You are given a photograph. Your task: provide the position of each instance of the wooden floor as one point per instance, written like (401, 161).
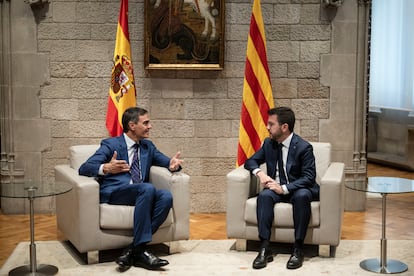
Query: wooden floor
(356, 225)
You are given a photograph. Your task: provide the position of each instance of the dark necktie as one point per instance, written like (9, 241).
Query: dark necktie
(282, 176)
(135, 166)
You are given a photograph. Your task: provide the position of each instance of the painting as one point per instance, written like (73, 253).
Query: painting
(184, 34)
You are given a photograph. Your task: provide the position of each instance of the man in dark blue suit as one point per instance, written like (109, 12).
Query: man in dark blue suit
(124, 178)
(290, 177)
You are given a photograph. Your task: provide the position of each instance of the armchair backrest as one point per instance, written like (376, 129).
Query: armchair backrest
(80, 153)
(322, 152)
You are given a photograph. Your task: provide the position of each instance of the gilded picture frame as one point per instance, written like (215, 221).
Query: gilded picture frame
(184, 34)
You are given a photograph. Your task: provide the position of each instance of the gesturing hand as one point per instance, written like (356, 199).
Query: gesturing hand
(175, 162)
(116, 166)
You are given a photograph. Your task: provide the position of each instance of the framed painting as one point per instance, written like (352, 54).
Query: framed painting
(184, 34)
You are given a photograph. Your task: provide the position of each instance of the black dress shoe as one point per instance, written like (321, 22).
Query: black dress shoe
(265, 256)
(296, 259)
(126, 259)
(148, 260)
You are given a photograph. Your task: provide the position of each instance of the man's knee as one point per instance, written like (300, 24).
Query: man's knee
(166, 197)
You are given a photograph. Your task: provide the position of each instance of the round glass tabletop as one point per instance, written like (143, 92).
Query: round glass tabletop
(28, 188)
(383, 185)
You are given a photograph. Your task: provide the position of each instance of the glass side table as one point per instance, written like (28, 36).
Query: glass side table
(383, 186)
(31, 190)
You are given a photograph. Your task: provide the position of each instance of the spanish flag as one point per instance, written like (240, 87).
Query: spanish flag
(122, 93)
(257, 90)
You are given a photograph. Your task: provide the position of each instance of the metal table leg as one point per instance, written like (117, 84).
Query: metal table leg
(383, 265)
(33, 269)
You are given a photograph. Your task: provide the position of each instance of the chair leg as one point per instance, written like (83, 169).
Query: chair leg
(332, 251)
(241, 245)
(92, 257)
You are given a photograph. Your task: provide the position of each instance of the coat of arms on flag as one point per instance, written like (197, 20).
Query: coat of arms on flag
(122, 77)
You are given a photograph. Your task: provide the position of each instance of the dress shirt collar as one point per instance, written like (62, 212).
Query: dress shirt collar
(287, 141)
(129, 142)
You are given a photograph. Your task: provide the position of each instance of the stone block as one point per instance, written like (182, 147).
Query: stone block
(56, 88)
(218, 166)
(93, 12)
(60, 109)
(208, 202)
(309, 128)
(311, 89)
(64, 12)
(227, 147)
(64, 31)
(278, 70)
(235, 88)
(238, 13)
(104, 32)
(59, 129)
(172, 128)
(277, 32)
(311, 50)
(234, 69)
(303, 70)
(213, 128)
(310, 14)
(167, 109)
(310, 32)
(279, 51)
(286, 88)
(236, 32)
(92, 109)
(59, 50)
(90, 88)
(311, 108)
(286, 14)
(205, 148)
(98, 69)
(22, 39)
(210, 88)
(198, 109)
(90, 50)
(227, 109)
(88, 129)
(68, 69)
(236, 51)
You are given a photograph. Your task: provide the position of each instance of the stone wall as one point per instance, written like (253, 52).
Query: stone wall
(197, 112)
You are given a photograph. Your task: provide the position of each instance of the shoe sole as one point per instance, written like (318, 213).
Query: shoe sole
(149, 267)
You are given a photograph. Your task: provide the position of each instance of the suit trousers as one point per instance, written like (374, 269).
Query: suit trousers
(301, 203)
(151, 208)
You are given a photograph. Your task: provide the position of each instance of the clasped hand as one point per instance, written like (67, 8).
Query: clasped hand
(269, 183)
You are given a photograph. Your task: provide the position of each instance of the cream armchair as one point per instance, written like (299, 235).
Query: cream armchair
(326, 218)
(91, 226)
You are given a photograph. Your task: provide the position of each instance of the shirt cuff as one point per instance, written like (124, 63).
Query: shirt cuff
(101, 172)
(255, 171)
(285, 190)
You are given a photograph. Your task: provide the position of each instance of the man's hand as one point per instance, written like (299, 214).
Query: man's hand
(175, 162)
(115, 166)
(269, 183)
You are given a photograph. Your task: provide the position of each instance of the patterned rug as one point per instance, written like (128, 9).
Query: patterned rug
(217, 257)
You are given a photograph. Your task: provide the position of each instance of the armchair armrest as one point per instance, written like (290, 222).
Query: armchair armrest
(78, 208)
(178, 184)
(332, 201)
(239, 189)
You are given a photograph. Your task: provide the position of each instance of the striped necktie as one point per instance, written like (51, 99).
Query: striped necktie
(135, 166)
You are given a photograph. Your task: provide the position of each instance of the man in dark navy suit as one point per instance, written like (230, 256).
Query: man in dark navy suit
(290, 177)
(122, 166)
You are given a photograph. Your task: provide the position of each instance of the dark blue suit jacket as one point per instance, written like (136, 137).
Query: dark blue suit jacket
(300, 167)
(149, 155)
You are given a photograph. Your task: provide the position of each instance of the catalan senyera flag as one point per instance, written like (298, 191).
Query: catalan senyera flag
(257, 90)
(122, 94)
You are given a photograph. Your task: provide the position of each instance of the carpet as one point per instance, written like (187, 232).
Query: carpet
(207, 257)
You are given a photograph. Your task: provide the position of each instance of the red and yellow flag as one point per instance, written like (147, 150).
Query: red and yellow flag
(122, 93)
(257, 90)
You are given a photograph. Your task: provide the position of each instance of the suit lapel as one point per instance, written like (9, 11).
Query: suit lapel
(122, 149)
(291, 153)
